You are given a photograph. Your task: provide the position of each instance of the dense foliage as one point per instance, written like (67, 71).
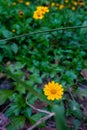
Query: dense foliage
(42, 57)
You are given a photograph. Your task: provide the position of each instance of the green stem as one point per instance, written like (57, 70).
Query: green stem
(59, 117)
(40, 32)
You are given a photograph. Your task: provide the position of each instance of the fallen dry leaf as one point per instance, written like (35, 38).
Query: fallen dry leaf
(84, 73)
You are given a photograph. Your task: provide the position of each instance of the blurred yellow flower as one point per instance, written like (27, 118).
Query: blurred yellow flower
(43, 9)
(75, 3)
(53, 90)
(66, 1)
(73, 8)
(40, 11)
(53, 4)
(61, 7)
(27, 3)
(13, 30)
(38, 15)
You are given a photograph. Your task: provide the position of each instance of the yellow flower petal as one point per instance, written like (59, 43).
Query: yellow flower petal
(53, 90)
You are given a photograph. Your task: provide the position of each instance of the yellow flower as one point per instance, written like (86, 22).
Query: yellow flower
(73, 8)
(38, 15)
(75, 3)
(61, 7)
(13, 30)
(40, 11)
(66, 1)
(53, 90)
(43, 9)
(53, 4)
(27, 3)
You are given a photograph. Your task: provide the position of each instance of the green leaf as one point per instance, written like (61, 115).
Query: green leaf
(35, 77)
(2, 42)
(75, 109)
(35, 118)
(4, 95)
(20, 88)
(17, 106)
(69, 76)
(15, 67)
(84, 30)
(18, 99)
(28, 112)
(14, 48)
(17, 122)
(13, 109)
(76, 124)
(31, 98)
(1, 57)
(59, 117)
(6, 33)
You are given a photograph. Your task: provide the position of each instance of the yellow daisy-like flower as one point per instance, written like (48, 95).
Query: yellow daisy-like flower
(38, 15)
(53, 4)
(43, 9)
(75, 3)
(27, 3)
(61, 7)
(73, 8)
(13, 30)
(40, 11)
(53, 91)
(66, 1)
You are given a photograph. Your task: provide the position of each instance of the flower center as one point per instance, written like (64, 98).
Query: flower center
(53, 91)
